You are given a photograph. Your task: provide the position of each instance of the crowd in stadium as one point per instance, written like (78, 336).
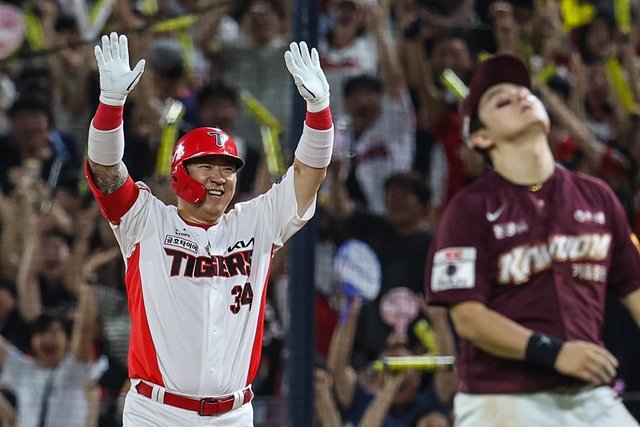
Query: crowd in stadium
(399, 158)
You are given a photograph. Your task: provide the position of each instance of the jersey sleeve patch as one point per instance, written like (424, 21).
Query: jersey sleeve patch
(454, 268)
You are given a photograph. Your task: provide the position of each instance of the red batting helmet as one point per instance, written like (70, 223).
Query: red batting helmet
(199, 142)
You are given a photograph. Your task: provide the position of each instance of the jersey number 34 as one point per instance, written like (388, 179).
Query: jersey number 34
(243, 295)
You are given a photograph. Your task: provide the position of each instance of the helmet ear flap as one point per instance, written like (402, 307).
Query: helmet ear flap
(186, 187)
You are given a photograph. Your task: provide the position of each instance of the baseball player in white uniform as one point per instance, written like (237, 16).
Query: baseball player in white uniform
(196, 274)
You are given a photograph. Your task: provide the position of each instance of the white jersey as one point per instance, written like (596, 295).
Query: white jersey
(197, 295)
(387, 147)
(67, 397)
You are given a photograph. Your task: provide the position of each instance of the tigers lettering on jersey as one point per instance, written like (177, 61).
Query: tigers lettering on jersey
(187, 265)
(517, 265)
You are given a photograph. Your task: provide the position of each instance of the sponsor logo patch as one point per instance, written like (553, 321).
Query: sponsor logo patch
(181, 243)
(454, 268)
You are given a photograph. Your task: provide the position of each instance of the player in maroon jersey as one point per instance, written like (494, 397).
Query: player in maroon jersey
(523, 258)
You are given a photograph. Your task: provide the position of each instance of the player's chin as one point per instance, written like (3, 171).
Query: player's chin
(211, 210)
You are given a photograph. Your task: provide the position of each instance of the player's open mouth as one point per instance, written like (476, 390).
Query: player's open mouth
(217, 193)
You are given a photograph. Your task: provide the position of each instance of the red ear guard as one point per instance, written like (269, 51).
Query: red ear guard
(186, 187)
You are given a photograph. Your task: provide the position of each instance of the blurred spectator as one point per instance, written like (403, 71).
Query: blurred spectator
(347, 49)
(326, 410)
(171, 86)
(96, 250)
(33, 135)
(376, 138)
(51, 386)
(253, 63)
(12, 326)
(400, 239)
(394, 398)
(74, 78)
(449, 164)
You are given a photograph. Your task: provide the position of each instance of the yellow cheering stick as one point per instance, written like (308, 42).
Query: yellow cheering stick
(423, 363)
(98, 9)
(170, 120)
(427, 336)
(270, 128)
(576, 13)
(622, 15)
(175, 24)
(620, 83)
(34, 31)
(454, 84)
(149, 7)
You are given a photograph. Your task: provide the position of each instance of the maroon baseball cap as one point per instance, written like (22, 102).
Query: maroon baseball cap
(499, 68)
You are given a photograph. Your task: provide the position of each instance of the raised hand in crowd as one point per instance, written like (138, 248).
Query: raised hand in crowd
(326, 409)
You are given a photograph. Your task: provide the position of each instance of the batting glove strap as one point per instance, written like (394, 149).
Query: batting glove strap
(315, 147)
(543, 349)
(316, 106)
(308, 76)
(117, 78)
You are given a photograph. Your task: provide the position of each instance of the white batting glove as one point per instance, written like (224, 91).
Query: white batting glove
(308, 76)
(116, 77)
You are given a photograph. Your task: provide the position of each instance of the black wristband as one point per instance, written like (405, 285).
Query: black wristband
(543, 349)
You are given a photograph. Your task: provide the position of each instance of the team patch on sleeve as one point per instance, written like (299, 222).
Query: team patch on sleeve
(453, 268)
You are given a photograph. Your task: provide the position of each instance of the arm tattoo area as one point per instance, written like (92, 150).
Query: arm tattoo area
(108, 178)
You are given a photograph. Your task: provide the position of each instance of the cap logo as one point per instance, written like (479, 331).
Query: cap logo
(220, 139)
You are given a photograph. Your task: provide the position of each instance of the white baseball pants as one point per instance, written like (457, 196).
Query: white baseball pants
(588, 407)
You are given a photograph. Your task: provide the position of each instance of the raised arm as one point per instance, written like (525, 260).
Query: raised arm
(27, 284)
(106, 135)
(339, 360)
(445, 383)
(313, 154)
(377, 20)
(84, 324)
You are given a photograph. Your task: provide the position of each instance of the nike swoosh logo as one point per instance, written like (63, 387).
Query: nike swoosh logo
(307, 89)
(492, 216)
(133, 82)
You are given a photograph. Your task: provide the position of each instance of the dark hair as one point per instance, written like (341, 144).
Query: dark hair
(166, 58)
(44, 322)
(245, 5)
(362, 82)
(216, 90)
(34, 78)
(66, 22)
(411, 181)
(446, 35)
(580, 35)
(476, 124)
(31, 103)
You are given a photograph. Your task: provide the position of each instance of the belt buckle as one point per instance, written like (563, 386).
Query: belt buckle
(205, 401)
